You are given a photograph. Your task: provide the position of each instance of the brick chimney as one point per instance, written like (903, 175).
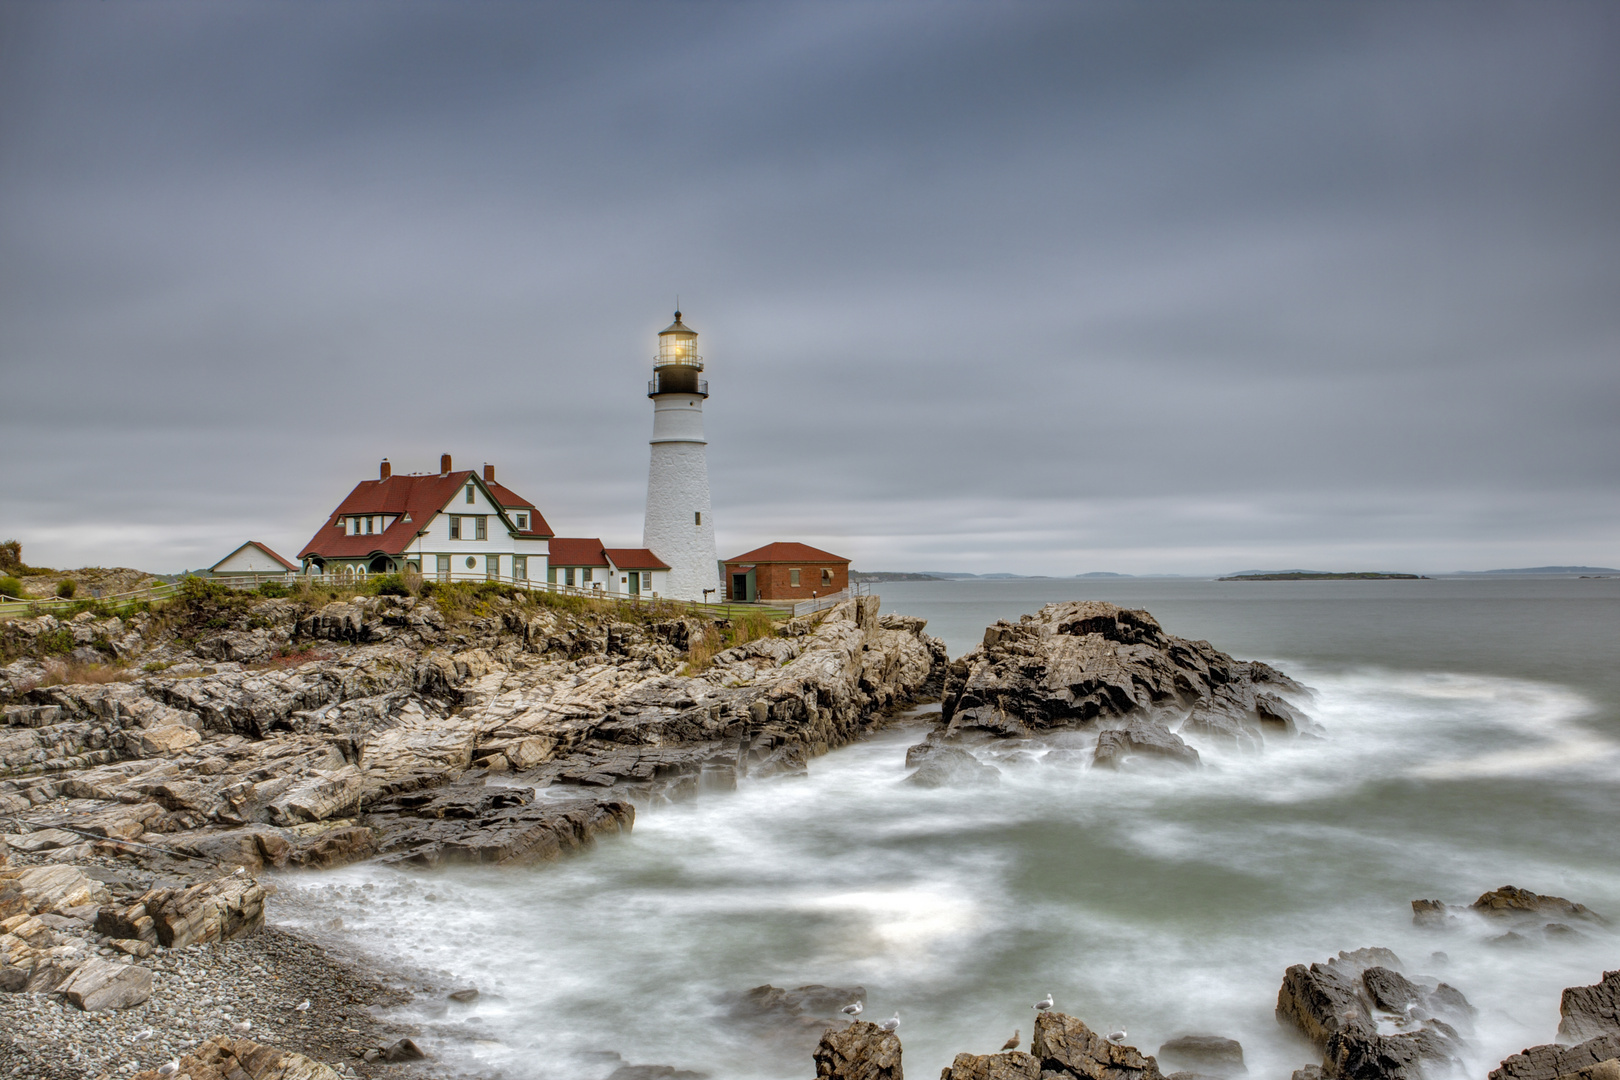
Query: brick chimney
(444, 464)
(386, 471)
(489, 473)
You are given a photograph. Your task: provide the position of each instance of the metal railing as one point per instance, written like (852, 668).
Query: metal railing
(821, 603)
(655, 386)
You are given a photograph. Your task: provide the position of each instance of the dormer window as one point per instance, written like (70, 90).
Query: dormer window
(522, 522)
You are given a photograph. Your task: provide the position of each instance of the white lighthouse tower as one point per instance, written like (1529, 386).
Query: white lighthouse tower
(678, 528)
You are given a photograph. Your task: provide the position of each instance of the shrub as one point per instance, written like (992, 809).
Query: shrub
(387, 585)
(202, 590)
(56, 642)
(66, 588)
(272, 590)
(10, 586)
(11, 556)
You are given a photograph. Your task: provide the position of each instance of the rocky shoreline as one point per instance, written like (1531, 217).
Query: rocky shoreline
(164, 770)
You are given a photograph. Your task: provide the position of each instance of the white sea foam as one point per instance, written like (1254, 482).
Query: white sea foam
(1163, 901)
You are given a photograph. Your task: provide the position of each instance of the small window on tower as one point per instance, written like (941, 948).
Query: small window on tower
(469, 493)
(697, 517)
(523, 522)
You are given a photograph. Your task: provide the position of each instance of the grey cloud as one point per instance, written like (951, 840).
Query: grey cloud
(1025, 287)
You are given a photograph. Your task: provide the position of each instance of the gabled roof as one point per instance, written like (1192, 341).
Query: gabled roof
(261, 547)
(414, 499)
(576, 552)
(635, 559)
(781, 552)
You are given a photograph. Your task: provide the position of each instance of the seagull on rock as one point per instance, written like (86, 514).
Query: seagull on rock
(891, 1023)
(302, 1006)
(170, 1069)
(854, 1008)
(1117, 1035)
(1012, 1043)
(1043, 1004)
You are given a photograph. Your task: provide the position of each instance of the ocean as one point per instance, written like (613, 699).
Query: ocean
(1472, 740)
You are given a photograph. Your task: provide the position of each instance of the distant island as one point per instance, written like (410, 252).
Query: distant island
(1323, 575)
(871, 577)
(1534, 571)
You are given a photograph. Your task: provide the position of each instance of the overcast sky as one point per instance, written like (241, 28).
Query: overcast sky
(1040, 288)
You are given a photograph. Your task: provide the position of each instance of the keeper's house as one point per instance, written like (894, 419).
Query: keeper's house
(449, 526)
(785, 571)
(584, 563)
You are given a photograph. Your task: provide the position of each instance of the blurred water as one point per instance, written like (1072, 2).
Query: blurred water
(1161, 902)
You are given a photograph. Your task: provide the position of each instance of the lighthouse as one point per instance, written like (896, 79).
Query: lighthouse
(678, 528)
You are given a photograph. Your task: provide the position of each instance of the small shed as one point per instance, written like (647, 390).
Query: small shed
(252, 558)
(785, 571)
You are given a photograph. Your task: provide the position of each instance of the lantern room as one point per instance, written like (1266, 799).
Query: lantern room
(676, 367)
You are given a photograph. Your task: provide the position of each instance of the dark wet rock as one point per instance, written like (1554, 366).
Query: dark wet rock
(1007, 1065)
(12, 979)
(1067, 1047)
(1512, 902)
(1141, 738)
(1308, 1072)
(1430, 914)
(1337, 1005)
(653, 1072)
(1591, 1011)
(1207, 1055)
(464, 995)
(775, 1005)
(513, 836)
(1080, 663)
(403, 1050)
(1390, 990)
(861, 1051)
(941, 765)
(1551, 1062)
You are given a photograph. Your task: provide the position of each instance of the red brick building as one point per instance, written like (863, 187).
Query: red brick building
(785, 571)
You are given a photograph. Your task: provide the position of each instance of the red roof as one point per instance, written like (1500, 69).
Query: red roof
(636, 559)
(577, 552)
(417, 498)
(780, 552)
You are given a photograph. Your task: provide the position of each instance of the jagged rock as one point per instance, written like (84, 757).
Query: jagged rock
(50, 887)
(515, 836)
(102, 984)
(861, 1051)
(1591, 1011)
(1075, 663)
(168, 739)
(1208, 1055)
(1430, 913)
(12, 979)
(224, 1058)
(939, 765)
(43, 840)
(1510, 901)
(1308, 1072)
(217, 910)
(464, 995)
(1007, 1065)
(1335, 1005)
(1063, 1042)
(1137, 736)
(1551, 1062)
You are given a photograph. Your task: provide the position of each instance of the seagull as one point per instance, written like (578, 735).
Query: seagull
(891, 1023)
(170, 1069)
(245, 1025)
(239, 871)
(302, 1006)
(1043, 1004)
(144, 1035)
(1117, 1035)
(1012, 1043)
(854, 1008)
